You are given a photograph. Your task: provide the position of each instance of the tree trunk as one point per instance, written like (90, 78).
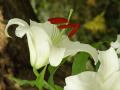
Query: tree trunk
(17, 49)
(18, 9)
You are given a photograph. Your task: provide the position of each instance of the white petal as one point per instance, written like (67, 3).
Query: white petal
(118, 50)
(51, 29)
(31, 49)
(56, 55)
(74, 47)
(20, 31)
(40, 42)
(116, 44)
(84, 81)
(15, 21)
(113, 83)
(109, 63)
(33, 23)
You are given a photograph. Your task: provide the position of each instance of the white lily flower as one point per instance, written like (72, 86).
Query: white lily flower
(106, 78)
(62, 47)
(45, 39)
(116, 44)
(38, 41)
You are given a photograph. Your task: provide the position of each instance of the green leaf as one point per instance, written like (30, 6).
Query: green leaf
(48, 86)
(79, 64)
(23, 82)
(52, 71)
(97, 66)
(58, 87)
(40, 79)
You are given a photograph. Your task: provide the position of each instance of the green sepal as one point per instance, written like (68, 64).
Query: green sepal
(40, 78)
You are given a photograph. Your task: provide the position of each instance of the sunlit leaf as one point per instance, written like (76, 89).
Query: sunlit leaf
(97, 24)
(79, 64)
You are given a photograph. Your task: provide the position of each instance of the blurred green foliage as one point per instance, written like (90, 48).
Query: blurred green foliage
(89, 14)
(99, 20)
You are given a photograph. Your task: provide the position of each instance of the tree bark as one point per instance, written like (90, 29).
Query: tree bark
(18, 9)
(17, 49)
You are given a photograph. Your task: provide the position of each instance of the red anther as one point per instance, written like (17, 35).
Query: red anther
(68, 26)
(70, 34)
(65, 26)
(73, 26)
(58, 20)
(74, 30)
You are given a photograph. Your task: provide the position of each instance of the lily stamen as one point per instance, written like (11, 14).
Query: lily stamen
(58, 20)
(63, 27)
(73, 26)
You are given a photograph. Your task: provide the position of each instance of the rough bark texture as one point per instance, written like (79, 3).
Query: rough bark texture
(15, 57)
(18, 9)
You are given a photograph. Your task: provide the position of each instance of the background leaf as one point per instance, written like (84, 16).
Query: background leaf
(79, 64)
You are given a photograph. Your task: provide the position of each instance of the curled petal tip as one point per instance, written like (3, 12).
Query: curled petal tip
(6, 31)
(13, 21)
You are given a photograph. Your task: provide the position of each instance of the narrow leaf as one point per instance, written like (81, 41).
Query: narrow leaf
(40, 79)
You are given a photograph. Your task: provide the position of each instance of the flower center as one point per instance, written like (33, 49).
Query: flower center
(63, 24)
(56, 35)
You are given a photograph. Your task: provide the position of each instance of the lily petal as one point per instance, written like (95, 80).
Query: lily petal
(113, 83)
(49, 28)
(116, 44)
(39, 46)
(109, 63)
(84, 81)
(56, 55)
(31, 50)
(21, 31)
(118, 50)
(15, 21)
(73, 47)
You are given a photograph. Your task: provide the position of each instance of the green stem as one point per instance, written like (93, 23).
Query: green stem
(35, 72)
(48, 86)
